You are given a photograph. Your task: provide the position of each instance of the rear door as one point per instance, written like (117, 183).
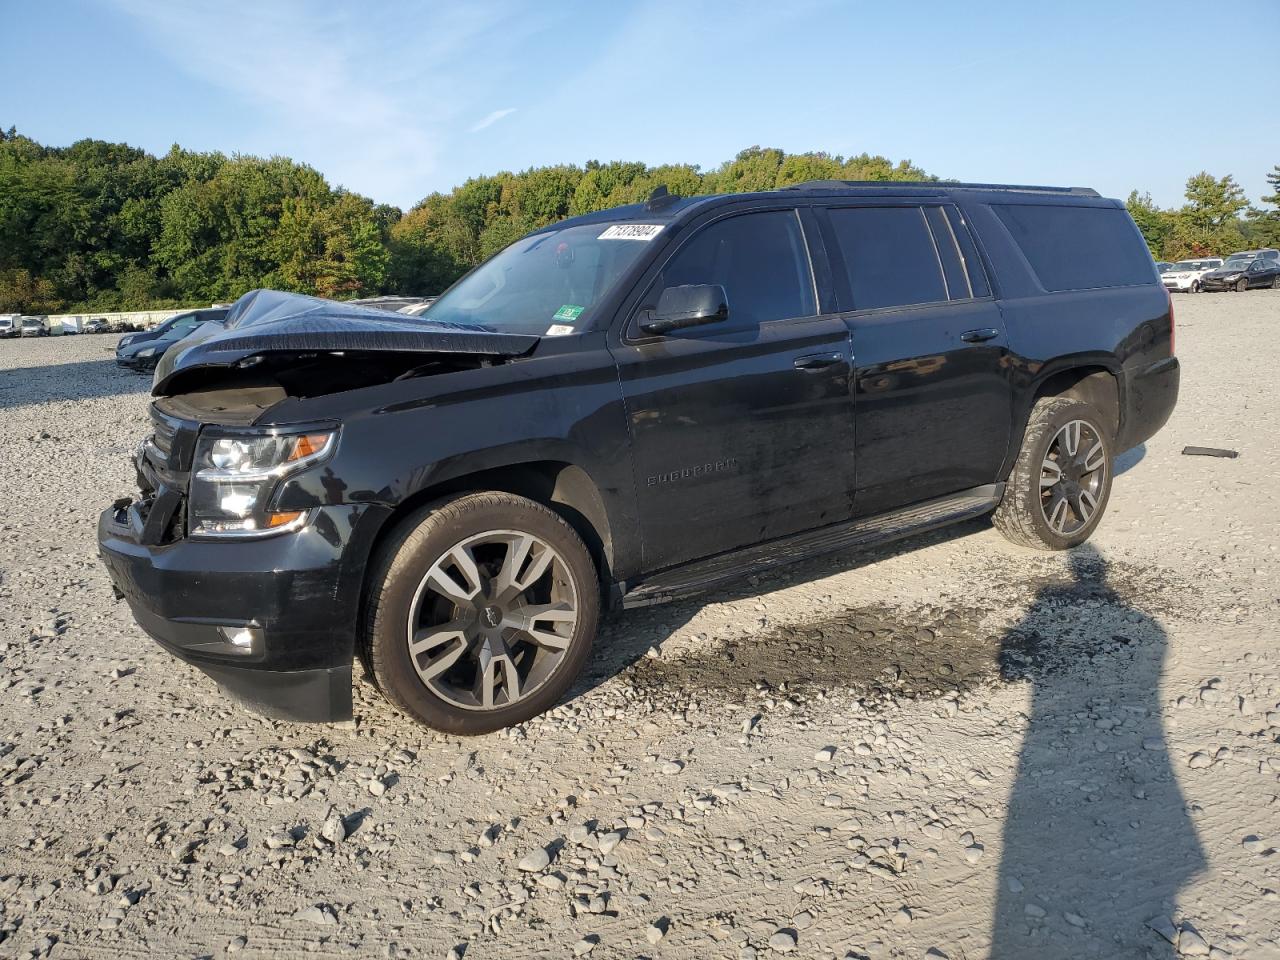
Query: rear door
(932, 390)
(741, 429)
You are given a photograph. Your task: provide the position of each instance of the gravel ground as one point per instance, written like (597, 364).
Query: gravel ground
(953, 748)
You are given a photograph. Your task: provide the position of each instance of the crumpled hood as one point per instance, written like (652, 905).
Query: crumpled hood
(267, 322)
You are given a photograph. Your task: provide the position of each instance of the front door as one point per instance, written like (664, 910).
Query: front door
(741, 429)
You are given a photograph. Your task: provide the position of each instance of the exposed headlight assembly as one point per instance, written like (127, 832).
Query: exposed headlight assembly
(148, 352)
(235, 475)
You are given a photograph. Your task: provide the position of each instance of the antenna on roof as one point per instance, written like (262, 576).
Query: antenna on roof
(660, 199)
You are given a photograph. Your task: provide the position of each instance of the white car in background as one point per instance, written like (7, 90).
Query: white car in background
(1185, 275)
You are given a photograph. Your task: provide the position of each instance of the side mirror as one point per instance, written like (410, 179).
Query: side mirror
(688, 306)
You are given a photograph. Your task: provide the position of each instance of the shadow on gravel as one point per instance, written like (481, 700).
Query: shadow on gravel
(1097, 839)
(627, 635)
(82, 380)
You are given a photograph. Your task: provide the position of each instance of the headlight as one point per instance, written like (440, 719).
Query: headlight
(125, 341)
(236, 474)
(149, 351)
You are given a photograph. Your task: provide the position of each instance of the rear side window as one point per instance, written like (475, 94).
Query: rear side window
(888, 255)
(759, 258)
(1078, 248)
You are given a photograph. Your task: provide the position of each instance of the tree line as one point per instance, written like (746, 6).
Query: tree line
(100, 226)
(1217, 219)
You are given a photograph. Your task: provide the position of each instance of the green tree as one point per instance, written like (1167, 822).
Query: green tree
(1209, 223)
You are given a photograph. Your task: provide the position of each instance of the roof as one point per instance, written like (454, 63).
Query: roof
(932, 187)
(672, 206)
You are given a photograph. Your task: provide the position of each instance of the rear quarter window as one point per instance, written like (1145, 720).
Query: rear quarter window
(1078, 248)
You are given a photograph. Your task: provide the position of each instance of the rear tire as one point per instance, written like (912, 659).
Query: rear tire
(481, 612)
(1058, 489)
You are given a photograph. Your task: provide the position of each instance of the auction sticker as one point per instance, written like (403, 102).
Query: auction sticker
(559, 330)
(568, 313)
(631, 231)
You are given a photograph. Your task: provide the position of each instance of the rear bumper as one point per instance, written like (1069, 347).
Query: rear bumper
(297, 593)
(1150, 397)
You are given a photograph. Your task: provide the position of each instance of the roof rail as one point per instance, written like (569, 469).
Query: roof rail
(924, 186)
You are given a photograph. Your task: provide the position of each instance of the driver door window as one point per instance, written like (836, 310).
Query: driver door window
(759, 258)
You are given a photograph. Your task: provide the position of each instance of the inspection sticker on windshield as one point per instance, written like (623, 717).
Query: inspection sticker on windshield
(631, 231)
(568, 313)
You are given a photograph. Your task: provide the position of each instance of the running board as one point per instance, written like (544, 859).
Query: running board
(699, 575)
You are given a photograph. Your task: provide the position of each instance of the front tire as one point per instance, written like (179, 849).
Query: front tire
(1195, 286)
(1242, 285)
(481, 612)
(1059, 487)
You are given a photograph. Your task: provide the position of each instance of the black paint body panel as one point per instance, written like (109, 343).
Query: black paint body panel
(706, 440)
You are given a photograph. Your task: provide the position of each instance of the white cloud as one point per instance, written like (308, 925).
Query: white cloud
(366, 95)
(491, 119)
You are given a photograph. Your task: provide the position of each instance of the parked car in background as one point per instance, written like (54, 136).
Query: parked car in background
(418, 309)
(142, 351)
(1266, 253)
(1185, 274)
(97, 325)
(35, 326)
(1242, 275)
(71, 325)
(10, 325)
(623, 408)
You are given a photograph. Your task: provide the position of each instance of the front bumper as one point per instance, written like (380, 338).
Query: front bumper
(1216, 284)
(300, 592)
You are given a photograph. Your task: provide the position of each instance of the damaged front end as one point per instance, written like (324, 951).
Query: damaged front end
(307, 346)
(215, 560)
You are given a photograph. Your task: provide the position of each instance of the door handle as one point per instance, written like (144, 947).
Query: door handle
(979, 335)
(817, 361)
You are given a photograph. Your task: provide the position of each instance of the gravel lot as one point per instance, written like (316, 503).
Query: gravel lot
(953, 748)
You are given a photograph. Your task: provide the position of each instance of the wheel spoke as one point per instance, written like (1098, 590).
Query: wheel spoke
(1071, 437)
(491, 671)
(431, 638)
(1095, 457)
(1084, 506)
(445, 584)
(507, 580)
(1057, 513)
(1050, 473)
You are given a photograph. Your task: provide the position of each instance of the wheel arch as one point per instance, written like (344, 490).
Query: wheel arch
(564, 487)
(1091, 382)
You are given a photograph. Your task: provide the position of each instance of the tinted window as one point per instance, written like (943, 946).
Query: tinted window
(1078, 248)
(969, 253)
(759, 258)
(889, 256)
(949, 254)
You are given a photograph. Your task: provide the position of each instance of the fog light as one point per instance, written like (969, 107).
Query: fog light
(245, 639)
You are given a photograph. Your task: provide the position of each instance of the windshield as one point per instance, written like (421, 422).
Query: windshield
(544, 284)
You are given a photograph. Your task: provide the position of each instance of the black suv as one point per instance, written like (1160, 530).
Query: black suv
(622, 408)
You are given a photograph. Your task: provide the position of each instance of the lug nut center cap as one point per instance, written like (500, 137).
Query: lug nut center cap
(491, 616)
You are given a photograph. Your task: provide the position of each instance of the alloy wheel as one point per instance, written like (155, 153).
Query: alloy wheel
(1072, 477)
(492, 619)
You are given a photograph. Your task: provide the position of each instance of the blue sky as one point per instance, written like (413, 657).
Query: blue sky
(395, 100)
